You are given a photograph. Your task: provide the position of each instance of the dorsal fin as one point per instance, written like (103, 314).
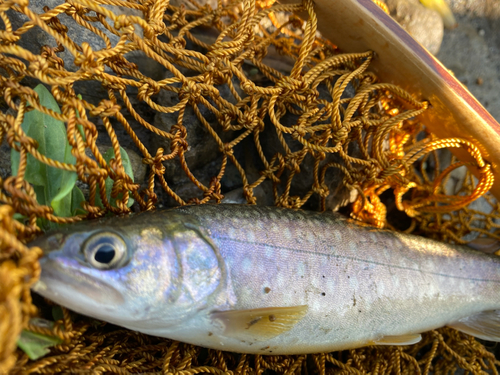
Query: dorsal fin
(485, 325)
(260, 324)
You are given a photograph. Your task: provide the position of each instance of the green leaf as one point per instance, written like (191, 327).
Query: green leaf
(57, 313)
(40, 194)
(52, 185)
(78, 126)
(61, 203)
(77, 198)
(36, 345)
(52, 142)
(108, 155)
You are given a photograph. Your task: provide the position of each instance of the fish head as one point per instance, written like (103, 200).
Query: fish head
(137, 272)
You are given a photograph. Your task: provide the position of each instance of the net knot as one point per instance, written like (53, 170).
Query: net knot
(248, 193)
(106, 108)
(291, 84)
(50, 55)
(94, 211)
(158, 27)
(123, 25)
(214, 190)
(148, 89)
(117, 86)
(190, 89)
(340, 136)
(179, 143)
(178, 42)
(87, 61)
(8, 38)
(292, 164)
(322, 190)
(39, 66)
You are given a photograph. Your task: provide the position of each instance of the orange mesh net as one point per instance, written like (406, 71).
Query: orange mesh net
(284, 112)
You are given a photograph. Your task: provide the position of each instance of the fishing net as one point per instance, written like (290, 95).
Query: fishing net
(234, 100)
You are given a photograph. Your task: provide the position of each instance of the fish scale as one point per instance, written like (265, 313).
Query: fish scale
(272, 281)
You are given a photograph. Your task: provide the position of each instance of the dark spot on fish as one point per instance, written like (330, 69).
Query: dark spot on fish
(210, 333)
(272, 318)
(323, 276)
(359, 310)
(253, 321)
(264, 348)
(267, 289)
(348, 276)
(354, 301)
(323, 294)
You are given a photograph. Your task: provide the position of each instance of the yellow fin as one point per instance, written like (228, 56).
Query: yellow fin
(260, 324)
(485, 325)
(409, 339)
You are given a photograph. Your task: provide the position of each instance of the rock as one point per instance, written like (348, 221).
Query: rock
(302, 182)
(5, 170)
(472, 51)
(36, 38)
(476, 8)
(263, 194)
(425, 25)
(202, 148)
(188, 190)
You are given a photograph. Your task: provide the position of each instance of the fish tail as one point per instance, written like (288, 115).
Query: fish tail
(484, 325)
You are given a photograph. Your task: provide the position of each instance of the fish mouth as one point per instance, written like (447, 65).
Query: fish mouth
(75, 289)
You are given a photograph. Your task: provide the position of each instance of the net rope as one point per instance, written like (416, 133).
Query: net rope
(393, 152)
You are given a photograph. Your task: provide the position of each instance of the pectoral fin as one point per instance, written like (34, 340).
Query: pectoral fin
(260, 324)
(485, 325)
(408, 339)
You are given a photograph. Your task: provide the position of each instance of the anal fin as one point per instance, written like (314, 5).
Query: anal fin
(484, 325)
(260, 324)
(409, 339)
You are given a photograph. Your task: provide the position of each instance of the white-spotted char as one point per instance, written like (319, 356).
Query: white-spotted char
(267, 280)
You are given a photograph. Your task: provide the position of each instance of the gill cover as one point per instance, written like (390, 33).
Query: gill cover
(202, 271)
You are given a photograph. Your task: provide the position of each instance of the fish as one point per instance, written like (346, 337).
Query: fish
(267, 280)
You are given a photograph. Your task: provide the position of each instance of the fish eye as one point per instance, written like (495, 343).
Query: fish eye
(105, 250)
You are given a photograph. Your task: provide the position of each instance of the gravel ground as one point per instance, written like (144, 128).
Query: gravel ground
(472, 50)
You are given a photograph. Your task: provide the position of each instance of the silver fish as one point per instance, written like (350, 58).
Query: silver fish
(266, 280)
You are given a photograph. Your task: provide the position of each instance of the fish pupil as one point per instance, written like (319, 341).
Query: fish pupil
(105, 254)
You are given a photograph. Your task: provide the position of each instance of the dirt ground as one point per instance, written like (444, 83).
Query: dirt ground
(472, 50)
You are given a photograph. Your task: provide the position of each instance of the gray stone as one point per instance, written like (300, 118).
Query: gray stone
(425, 25)
(476, 8)
(187, 190)
(262, 193)
(36, 38)
(472, 53)
(5, 170)
(202, 148)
